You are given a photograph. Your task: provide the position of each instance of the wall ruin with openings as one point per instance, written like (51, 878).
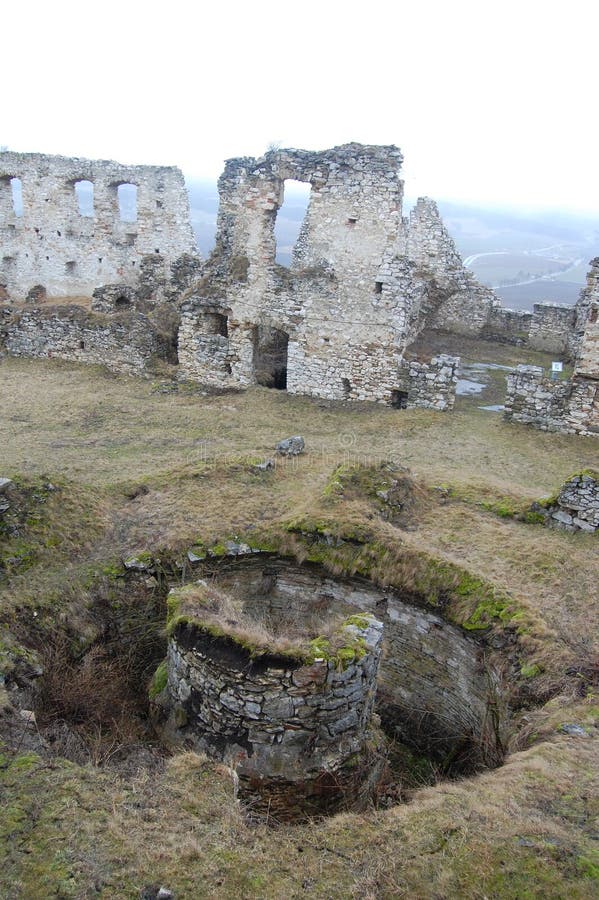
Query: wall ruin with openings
(361, 284)
(68, 226)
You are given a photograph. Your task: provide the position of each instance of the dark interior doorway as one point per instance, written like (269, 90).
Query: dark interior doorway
(270, 357)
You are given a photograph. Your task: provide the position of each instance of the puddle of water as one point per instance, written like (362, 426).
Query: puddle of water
(464, 387)
(483, 366)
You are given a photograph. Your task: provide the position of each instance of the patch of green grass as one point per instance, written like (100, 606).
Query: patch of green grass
(159, 680)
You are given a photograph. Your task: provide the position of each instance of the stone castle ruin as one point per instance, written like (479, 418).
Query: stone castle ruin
(71, 225)
(363, 283)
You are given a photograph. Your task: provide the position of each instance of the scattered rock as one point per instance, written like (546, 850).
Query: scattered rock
(138, 565)
(4, 482)
(573, 730)
(264, 466)
(291, 446)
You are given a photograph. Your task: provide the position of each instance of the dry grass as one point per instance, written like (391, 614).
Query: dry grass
(225, 614)
(146, 470)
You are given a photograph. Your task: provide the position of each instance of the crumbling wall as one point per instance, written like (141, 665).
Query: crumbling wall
(274, 718)
(458, 302)
(507, 326)
(568, 406)
(433, 684)
(551, 327)
(429, 385)
(577, 505)
(51, 243)
(125, 343)
(586, 308)
(361, 285)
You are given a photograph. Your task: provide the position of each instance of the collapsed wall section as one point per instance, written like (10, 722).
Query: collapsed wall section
(126, 343)
(570, 406)
(361, 285)
(67, 224)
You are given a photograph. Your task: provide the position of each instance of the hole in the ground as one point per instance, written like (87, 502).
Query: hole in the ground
(263, 673)
(92, 701)
(322, 692)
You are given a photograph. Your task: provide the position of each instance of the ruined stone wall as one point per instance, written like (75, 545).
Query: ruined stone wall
(125, 343)
(551, 327)
(429, 385)
(587, 363)
(508, 326)
(288, 715)
(587, 301)
(577, 504)
(52, 244)
(361, 285)
(457, 302)
(568, 406)
(433, 681)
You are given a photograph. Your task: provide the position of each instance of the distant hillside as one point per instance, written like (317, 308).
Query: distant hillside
(525, 257)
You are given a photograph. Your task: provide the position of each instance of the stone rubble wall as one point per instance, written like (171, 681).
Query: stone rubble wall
(587, 309)
(432, 681)
(272, 718)
(431, 385)
(508, 326)
(361, 283)
(551, 327)
(458, 303)
(52, 245)
(568, 406)
(577, 507)
(125, 343)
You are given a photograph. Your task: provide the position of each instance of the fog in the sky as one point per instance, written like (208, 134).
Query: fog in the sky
(490, 103)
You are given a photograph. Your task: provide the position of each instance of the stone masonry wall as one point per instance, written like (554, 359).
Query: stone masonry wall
(568, 406)
(273, 717)
(456, 301)
(361, 283)
(433, 683)
(125, 343)
(551, 327)
(430, 385)
(70, 254)
(577, 506)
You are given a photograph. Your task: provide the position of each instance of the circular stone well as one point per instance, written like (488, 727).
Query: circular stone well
(275, 666)
(289, 713)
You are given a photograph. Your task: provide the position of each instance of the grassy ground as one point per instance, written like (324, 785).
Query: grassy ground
(139, 466)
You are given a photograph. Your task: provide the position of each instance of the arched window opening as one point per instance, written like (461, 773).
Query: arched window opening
(122, 301)
(127, 197)
(290, 218)
(84, 191)
(16, 186)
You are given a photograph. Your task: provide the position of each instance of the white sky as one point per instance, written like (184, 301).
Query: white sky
(490, 102)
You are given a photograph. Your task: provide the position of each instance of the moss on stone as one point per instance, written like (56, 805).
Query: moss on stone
(530, 670)
(159, 680)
